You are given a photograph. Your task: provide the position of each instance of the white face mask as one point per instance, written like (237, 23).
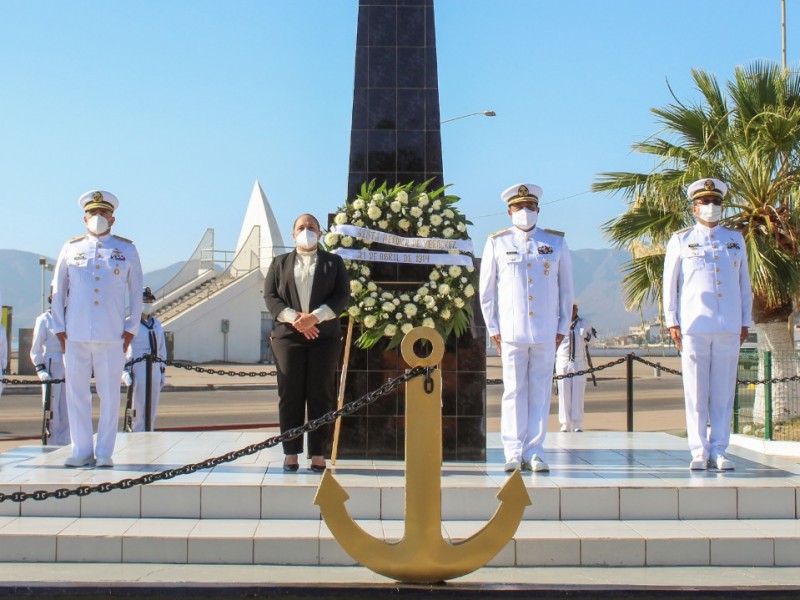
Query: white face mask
(147, 308)
(97, 224)
(306, 239)
(525, 218)
(710, 213)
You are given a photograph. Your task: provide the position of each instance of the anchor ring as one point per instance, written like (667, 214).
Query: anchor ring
(422, 333)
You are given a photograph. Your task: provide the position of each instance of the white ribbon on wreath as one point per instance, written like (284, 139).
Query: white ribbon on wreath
(390, 239)
(409, 258)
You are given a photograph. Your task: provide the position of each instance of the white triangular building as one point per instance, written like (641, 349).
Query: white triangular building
(213, 309)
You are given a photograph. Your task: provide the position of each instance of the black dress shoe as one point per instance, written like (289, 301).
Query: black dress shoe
(291, 468)
(317, 468)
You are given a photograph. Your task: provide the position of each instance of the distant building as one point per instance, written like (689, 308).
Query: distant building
(213, 309)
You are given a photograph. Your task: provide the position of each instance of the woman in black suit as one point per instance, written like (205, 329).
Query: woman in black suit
(305, 292)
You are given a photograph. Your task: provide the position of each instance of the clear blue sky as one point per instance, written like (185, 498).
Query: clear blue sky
(178, 107)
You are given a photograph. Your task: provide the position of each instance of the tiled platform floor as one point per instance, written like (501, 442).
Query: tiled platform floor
(611, 499)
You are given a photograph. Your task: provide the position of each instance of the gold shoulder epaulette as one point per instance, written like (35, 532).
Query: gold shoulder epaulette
(554, 232)
(119, 237)
(496, 233)
(76, 238)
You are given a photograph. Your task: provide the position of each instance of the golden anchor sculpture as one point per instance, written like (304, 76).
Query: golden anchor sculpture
(423, 555)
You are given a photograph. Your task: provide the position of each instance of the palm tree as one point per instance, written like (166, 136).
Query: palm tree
(747, 135)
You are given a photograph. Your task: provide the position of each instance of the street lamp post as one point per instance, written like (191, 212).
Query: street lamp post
(485, 113)
(46, 266)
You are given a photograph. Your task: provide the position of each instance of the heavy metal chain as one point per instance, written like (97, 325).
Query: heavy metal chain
(657, 366)
(570, 375)
(738, 381)
(125, 484)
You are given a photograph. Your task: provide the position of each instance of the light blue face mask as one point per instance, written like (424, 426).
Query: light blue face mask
(525, 218)
(710, 213)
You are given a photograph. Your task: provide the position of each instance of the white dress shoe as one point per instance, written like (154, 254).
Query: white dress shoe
(511, 465)
(722, 463)
(526, 466)
(698, 464)
(75, 462)
(104, 462)
(564, 428)
(578, 429)
(539, 466)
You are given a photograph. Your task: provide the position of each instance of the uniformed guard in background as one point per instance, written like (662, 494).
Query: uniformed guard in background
(526, 300)
(92, 275)
(48, 358)
(707, 308)
(149, 340)
(571, 357)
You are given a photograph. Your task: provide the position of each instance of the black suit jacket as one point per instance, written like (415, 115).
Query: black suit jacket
(331, 286)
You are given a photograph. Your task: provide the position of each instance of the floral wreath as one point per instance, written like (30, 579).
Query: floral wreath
(443, 302)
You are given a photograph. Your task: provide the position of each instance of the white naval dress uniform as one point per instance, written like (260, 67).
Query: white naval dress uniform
(707, 293)
(149, 339)
(46, 350)
(526, 297)
(91, 278)
(571, 358)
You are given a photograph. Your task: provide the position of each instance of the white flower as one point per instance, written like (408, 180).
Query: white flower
(448, 213)
(396, 301)
(422, 292)
(354, 311)
(424, 231)
(436, 220)
(454, 271)
(402, 196)
(383, 224)
(435, 275)
(461, 227)
(415, 211)
(428, 323)
(373, 212)
(410, 309)
(469, 291)
(423, 199)
(369, 302)
(437, 205)
(371, 286)
(390, 330)
(386, 296)
(359, 223)
(395, 206)
(430, 301)
(445, 314)
(373, 294)
(378, 196)
(459, 302)
(358, 204)
(406, 327)
(347, 241)
(340, 218)
(365, 271)
(444, 289)
(370, 321)
(355, 286)
(356, 213)
(448, 232)
(404, 224)
(470, 268)
(464, 280)
(398, 316)
(387, 307)
(331, 239)
(405, 297)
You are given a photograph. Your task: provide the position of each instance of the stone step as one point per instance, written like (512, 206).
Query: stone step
(599, 477)
(308, 542)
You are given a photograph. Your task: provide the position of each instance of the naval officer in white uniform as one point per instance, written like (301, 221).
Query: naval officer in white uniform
(526, 300)
(92, 275)
(48, 358)
(707, 308)
(571, 358)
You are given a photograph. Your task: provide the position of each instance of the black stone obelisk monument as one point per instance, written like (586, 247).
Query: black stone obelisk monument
(396, 137)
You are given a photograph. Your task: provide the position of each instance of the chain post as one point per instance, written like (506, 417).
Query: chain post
(767, 395)
(736, 407)
(148, 394)
(629, 371)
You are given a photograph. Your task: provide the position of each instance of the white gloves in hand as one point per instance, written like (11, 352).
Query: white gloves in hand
(43, 375)
(126, 378)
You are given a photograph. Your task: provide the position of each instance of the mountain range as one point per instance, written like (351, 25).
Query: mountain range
(597, 277)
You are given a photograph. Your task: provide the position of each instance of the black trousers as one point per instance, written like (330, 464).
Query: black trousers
(306, 380)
